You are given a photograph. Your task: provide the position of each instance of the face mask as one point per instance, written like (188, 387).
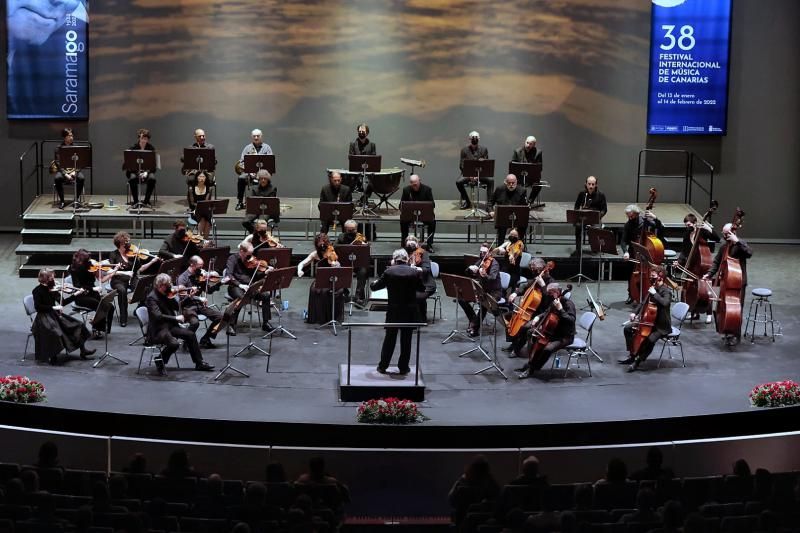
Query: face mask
(181, 233)
(513, 238)
(51, 283)
(474, 141)
(362, 135)
(262, 232)
(411, 248)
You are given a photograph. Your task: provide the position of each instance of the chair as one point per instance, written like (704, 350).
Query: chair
(760, 312)
(436, 297)
(30, 310)
(580, 347)
(679, 312)
(143, 317)
(525, 260)
(68, 185)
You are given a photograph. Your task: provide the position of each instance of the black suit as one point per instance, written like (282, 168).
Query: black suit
(270, 191)
(328, 194)
(563, 335)
(424, 194)
(504, 196)
(133, 178)
(403, 282)
(163, 327)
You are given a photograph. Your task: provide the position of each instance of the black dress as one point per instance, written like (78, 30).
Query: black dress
(54, 331)
(194, 197)
(319, 301)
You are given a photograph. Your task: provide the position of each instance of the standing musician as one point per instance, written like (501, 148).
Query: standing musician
(319, 300)
(190, 173)
(487, 271)
(564, 333)
(131, 266)
(144, 177)
(660, 295)
(197, 281)
(256, 147)
(352, 236)
(512, 250)
(166, 326)
(528, 153)
(421, 260)
(416, 191)
(472, 151)
(402, 282)
(262, 236)
(66, 175)
(264, 188)
(690, 221)
(199, 192)
(632, 232)
(540, 281)
(737, 249)
(179, 243)
(508, 195)
(85, 272)
(363, 146)
(334, 191)
(243, 270)
(53, 330)
(589, 198)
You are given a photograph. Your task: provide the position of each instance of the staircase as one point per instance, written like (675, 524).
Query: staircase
(46, 242)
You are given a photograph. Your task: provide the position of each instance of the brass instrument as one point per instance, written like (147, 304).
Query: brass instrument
(360, 239)
(68, 173)
(239, 166)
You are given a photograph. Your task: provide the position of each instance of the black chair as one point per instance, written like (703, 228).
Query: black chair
(8, 471)
(595, 516)
(80, 482)
(722, 509)
(176, 489)
(140, 486)
(525, 497)
(280, 494)
(699, 490)
(615, 495)
(736, 489)
(739, 524)
(562, 495)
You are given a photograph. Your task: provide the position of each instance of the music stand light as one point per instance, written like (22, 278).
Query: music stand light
(477, 168)
(333, 279)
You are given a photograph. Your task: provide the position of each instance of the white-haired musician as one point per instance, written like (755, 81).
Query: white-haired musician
(256, 146)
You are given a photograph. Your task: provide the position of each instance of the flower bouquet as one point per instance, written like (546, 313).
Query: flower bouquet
(775, 394)
(389, 411)
(21, 389)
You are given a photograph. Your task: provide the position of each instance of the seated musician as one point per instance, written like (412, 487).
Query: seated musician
(256, 147)
(511, 250)
(319, 300)
(690, 221)
(242, 271)
(660, 295)
(632, 231)
(508, 195)
(420, 258)
(66, 175)
(472, 151)
(52, 329)
(334, 191)
(528, 153)
(166, 326)
(363, 146)
(143, 177)
(196, 302)
(179, 243)
(199, 192)
(262, 237)
(352, 236)
(563, 335)
(489, 277)
(264, 188)
(589, 198)
(539, 282)
(85, 275)
(191, 173)
(130, 268)
(416, 191)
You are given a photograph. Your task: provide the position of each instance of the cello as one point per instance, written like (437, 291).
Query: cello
(547, 327)
(644, 322)
(654, 247)
(695, 292)
(529, 303)
(728, 315)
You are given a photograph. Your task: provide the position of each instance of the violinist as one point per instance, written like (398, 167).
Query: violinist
(166, 326)
(420, 259)
(66, 175)
(541, 278)
(334, 191)
(263, 189)
(589, 198)
(637, 223)
(512, 250)
(262, 236)
(179, 243)
(193, 278)
(562, 335)
(52, 329)
(690, 221)
(243, 270)
(352, 236)
(416, 191)
(130, 268)
(199, 191)
(660, 295)
(85, 273)
(319, 300)
(487, 271)
(144, 177)
(508, 195)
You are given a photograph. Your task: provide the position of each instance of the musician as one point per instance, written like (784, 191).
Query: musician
(199, 192)
(402, 282)
(690, 221)
(178, 244)
(143, 177)
(82, 278)
(334, 191)
(257, 147)
(319, 300)
(489, 277)
(528, 153)
(472, 151)
(540, 279)
(661, 295)
(164, 326)
(632, 231)
(262, 236)
(563, 335)
(416, 191)
(352, 236)
(363, 146)
(242, 274)
(511, 249)
(420, 258)
(68, 175)
(130, 268)
(737, 249)
(198, 303)
(263, 189)
(190, 173)
(52, 329)
(589, 198)
(508, 195)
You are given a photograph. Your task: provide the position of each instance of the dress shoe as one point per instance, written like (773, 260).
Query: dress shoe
(524, 375)
(239, 206)
(635, 365)
(625, 361)
(86, 353)
(473, 333)
(53, 360)
(629, 301)
(160, 366)
(507, 349)
(523, 368)
(123, 323)
(61, 205)
(204, 366)
(266, 326)
(206, 343)
(96, 334)
(380, 370)
(405, 372)
(231, 331)
(430, 249)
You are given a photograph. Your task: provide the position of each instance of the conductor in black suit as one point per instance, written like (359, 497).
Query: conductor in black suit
(334, 191)
(416, 191)
(403, 282)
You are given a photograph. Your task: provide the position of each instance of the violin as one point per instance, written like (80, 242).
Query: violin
(254, 263)
(65, 288)
(529, 303)
(211, 277)
(103, 266)
(416, 256)
(139, 253)
(514, 251)
(330, 255)
(194, 238)
(180, 290)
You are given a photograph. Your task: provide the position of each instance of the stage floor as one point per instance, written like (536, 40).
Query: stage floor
(301, 388)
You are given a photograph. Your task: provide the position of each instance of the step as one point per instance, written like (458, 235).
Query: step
(32, 271)
(46, 221)
(46, 236)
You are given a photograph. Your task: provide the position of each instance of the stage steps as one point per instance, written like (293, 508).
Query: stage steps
(42, 235)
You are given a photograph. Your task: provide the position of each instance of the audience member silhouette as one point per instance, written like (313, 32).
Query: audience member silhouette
(530, 473)
(654, 471)
(178, 465)
(275, 473)
(645, 508)
(48, 455)
(475, 485)
(137, 464)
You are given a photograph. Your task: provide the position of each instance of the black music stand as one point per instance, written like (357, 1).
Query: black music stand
(512, 216)
(453, 288)
(645, 261)
(417, 213)
(225, 324)
(364, 164)
(275, 257)
(144, 284)
(255, 162)
(76, 157)
(106, 304)
(471, 291)
(172, 267)
(492, 306)
(252, 291)
(208, 208)
(529, 175)
(277, 280)
(355, 256)
(477, 168)
(584, 217)
(197, 159)
(266, 207)
(601, 241)
(136, 162)
(333, 279)
(213, 257)
(333, 212)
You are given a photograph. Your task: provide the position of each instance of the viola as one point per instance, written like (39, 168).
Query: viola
(514, 251)
(211, 277)
(728, 315)
(253, 263)
(528, 305)
(330, 255)
(654, 247)
(179, 290)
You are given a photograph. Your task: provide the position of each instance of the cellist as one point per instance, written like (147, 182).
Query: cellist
(660, 295)
(563, 333)
(632, 232)
(541, 278)
(690, 221)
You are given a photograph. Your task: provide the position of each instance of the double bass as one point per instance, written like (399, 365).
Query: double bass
(654, 247)
(694, 291)
(728, 315)
(528, 305)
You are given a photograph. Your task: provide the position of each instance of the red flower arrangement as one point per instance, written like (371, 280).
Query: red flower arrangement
(775, 394)
(389, 411)
(21, 389)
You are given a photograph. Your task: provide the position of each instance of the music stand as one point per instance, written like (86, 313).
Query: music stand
(332, 212)
(529, 175)
(275, 257)
(215, 256)
(277, 280)
(417, 213)
(172, 267)
(143, 286)
(601, 241)
(248, 296)
(203, 158)
(225, 324)
(136, 162)
(264, 206)
(333, 279)
(584, 217)
(255, 162)
(364, 164)
(106, 304)
(645, 261)
(477, 168)
(76, 157)
(356, 256)
(452, 285)
(512, 216)
(491, 305)
(207, 209)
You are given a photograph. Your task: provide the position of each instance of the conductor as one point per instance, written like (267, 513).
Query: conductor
(403, 282)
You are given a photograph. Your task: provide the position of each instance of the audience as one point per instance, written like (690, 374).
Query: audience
(178, 465)
(137, 464)
(48, 455)
(645, 508)
(654, 471)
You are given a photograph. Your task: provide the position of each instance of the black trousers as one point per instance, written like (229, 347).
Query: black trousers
(150, 185)
(121, 285)
(389, 342)
(647, 345)
(429, 226)
(170, 339)
(461, 185)
(422, 303)
(214, 315)
(59, 181)
(91, 300)
(539, 360)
